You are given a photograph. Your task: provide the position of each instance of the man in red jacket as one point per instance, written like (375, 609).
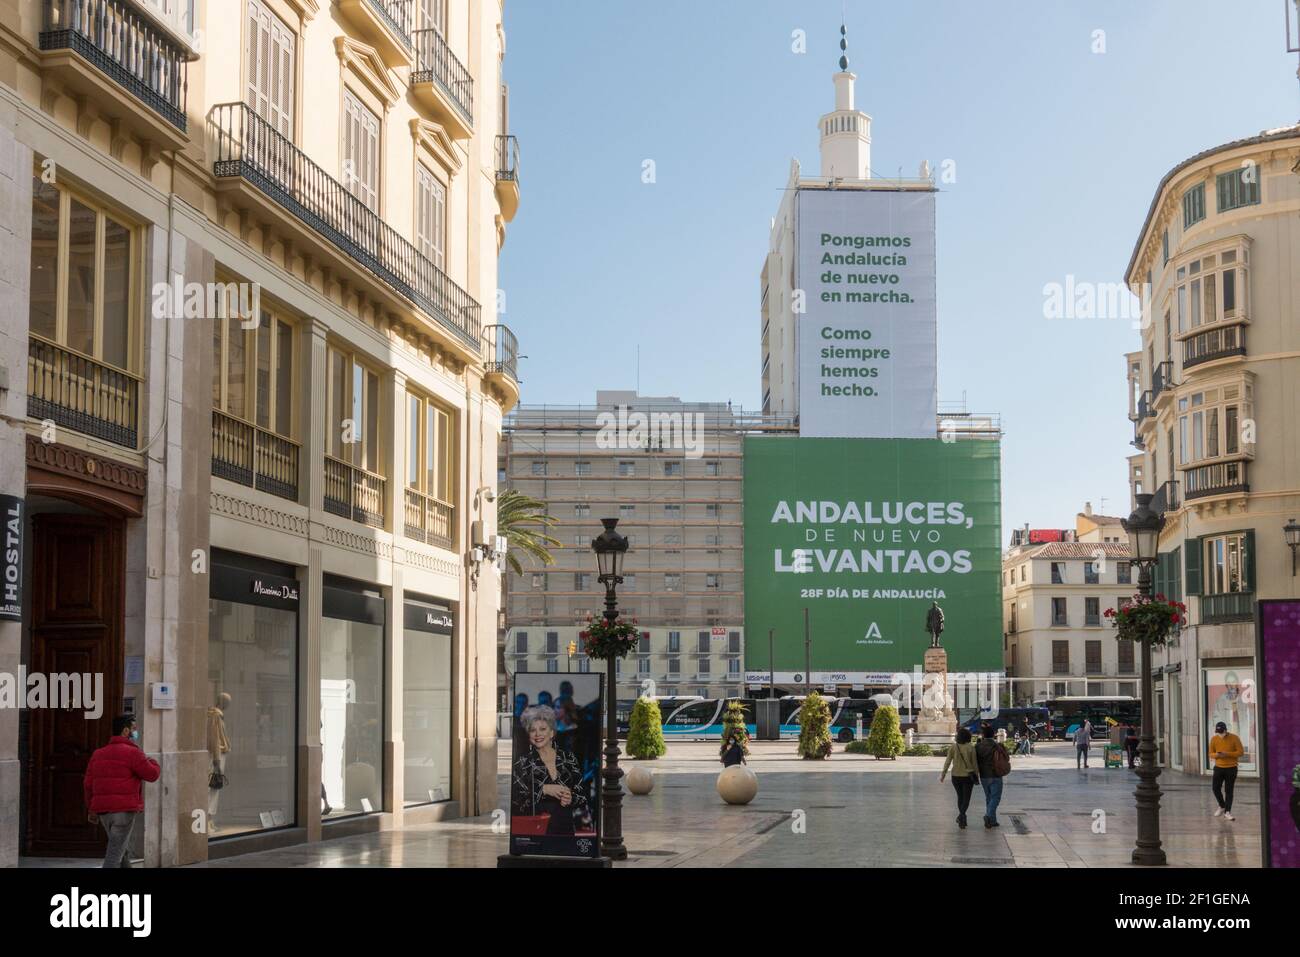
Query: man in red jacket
(112, 787)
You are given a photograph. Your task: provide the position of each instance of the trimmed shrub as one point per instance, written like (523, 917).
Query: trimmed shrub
(733, 724)
(856, 747)
(815, 728)
(645, 730)
(921, 750)
(885, 739)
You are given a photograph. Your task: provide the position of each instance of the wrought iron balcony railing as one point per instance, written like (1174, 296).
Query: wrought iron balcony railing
(125, 46)
(79, 393)
(1221, 478)
(1162, 378)
(1146, 406)
(508, 158)
(398, 14)
(354, 493)
(1229, 606)
(247, 146)
(501, 350)
(430, 520)
(1214, 344)
(244, 453)
(1166, 498)
(435, 63)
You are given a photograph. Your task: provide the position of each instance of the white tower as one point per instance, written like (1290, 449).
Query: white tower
(846, 133)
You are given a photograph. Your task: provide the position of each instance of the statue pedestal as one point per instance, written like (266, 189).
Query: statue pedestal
(937, 721)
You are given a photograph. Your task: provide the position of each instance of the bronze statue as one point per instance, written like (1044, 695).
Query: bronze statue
(934, 624)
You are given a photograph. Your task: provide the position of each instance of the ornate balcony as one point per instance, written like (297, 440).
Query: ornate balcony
(1162, 381)
(243, 453)
(354, 493)
(1166, 498)
(500, 351)
(386, 25)
(430, 520)
(1221, 478)
(441, 83)
(1219, 343)
(246, 146)
(79, 393)
(1229, 606)
(508, 176)
(84, 41)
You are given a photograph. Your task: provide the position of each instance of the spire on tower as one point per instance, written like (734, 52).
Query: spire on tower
(844, 48)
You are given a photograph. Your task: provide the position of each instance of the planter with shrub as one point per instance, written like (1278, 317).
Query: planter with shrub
(885, 739)
(645, 730)
(815, 728)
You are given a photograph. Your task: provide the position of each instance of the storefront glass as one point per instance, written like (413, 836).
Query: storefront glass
(252, 702)
(352, 716)
(426, 707)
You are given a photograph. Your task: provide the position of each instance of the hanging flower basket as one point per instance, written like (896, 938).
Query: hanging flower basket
(603, 639)
(1148, 619)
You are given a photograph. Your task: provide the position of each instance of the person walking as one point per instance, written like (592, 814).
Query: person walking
(993, 765)
(965, 772)
(112, 788)
(1131, 745)
(1226, 750)
(1082, 743)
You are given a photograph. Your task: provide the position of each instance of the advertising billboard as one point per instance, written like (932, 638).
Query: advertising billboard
(555, 765)
(866, 534)
(1278, 654)
(867, 336)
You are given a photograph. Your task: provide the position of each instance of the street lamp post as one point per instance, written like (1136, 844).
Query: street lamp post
(610, 547)
(1292, 532)
(1143, 530)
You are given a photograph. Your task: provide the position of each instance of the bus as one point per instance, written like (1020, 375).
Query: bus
(1067, 714)
(700, 719)
(1011, 720)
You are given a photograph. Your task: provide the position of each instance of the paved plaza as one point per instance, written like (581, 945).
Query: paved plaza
(850, 811)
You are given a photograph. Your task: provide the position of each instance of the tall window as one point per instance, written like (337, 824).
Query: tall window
(252, 369)
(81, 277)
(431, 217)
(360, 151)
(1058, 612)
(1238, 187)
(430, 448)
(1060, 657)
(433, 16)
(1194, 205)
(269, 66)
(355, 413)
(1227, 564)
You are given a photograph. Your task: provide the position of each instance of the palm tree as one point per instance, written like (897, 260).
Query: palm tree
(516, 511)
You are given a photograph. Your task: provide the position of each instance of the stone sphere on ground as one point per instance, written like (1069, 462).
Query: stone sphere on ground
(640, 780)
(737, 784)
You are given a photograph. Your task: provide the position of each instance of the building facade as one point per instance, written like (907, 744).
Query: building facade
(1056, 587)
(1213, 401)
(254, 403)
(678, 497)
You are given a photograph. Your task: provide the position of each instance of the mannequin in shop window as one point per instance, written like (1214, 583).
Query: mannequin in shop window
(218, 749)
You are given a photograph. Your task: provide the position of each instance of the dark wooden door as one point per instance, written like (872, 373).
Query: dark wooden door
(78, 576)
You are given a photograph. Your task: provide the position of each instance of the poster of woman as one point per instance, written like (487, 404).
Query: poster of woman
(1229, 697)
(555, 765)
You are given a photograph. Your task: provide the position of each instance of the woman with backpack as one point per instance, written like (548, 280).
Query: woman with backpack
(994, 764)
(965, 772)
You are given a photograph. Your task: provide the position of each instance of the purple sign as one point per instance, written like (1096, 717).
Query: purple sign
(1279, 663)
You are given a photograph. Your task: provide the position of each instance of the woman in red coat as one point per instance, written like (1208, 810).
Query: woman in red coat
(112, 787)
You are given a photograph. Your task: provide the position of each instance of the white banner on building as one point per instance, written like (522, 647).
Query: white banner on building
(867, 338)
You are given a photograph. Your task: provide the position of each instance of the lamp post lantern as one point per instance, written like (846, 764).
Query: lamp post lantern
(1143, 530)
(610, 548)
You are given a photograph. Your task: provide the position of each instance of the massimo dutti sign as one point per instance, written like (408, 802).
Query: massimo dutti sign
(11, 559)
(419, 616)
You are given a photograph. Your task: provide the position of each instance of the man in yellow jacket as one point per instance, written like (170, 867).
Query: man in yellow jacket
(1225, 750)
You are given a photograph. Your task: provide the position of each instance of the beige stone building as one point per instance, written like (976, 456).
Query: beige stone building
(676, 489)
(1213, 398)
(255, 391)
(1056, 587)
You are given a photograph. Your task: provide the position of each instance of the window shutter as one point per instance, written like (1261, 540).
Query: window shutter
(1193, 550)
(1248, 562)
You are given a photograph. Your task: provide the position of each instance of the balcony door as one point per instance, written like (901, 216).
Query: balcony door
(269, 65)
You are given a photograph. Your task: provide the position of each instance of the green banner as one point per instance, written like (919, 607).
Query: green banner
(866, 534)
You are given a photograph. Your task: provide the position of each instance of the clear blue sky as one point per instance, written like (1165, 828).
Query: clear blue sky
(1058, 151)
